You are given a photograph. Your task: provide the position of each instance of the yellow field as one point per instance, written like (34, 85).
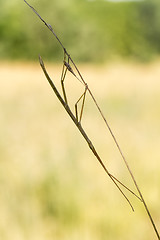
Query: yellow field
(52, 187)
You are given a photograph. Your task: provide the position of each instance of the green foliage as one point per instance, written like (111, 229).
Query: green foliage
(91, 30)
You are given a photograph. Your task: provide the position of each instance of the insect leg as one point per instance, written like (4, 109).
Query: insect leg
(83, 101)
(63, 75)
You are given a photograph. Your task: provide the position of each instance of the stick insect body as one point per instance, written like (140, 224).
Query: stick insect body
(77, 119)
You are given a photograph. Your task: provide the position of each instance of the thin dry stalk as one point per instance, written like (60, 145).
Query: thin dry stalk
(77, 120)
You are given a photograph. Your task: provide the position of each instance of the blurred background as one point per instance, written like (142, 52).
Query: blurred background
(93, 31)
(51, 186)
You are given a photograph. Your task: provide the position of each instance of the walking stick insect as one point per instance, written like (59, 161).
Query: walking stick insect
(77, 120)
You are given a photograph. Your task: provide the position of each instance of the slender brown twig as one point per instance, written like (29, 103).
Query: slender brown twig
(77, 120)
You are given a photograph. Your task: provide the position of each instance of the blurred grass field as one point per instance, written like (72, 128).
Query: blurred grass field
(52, 187)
